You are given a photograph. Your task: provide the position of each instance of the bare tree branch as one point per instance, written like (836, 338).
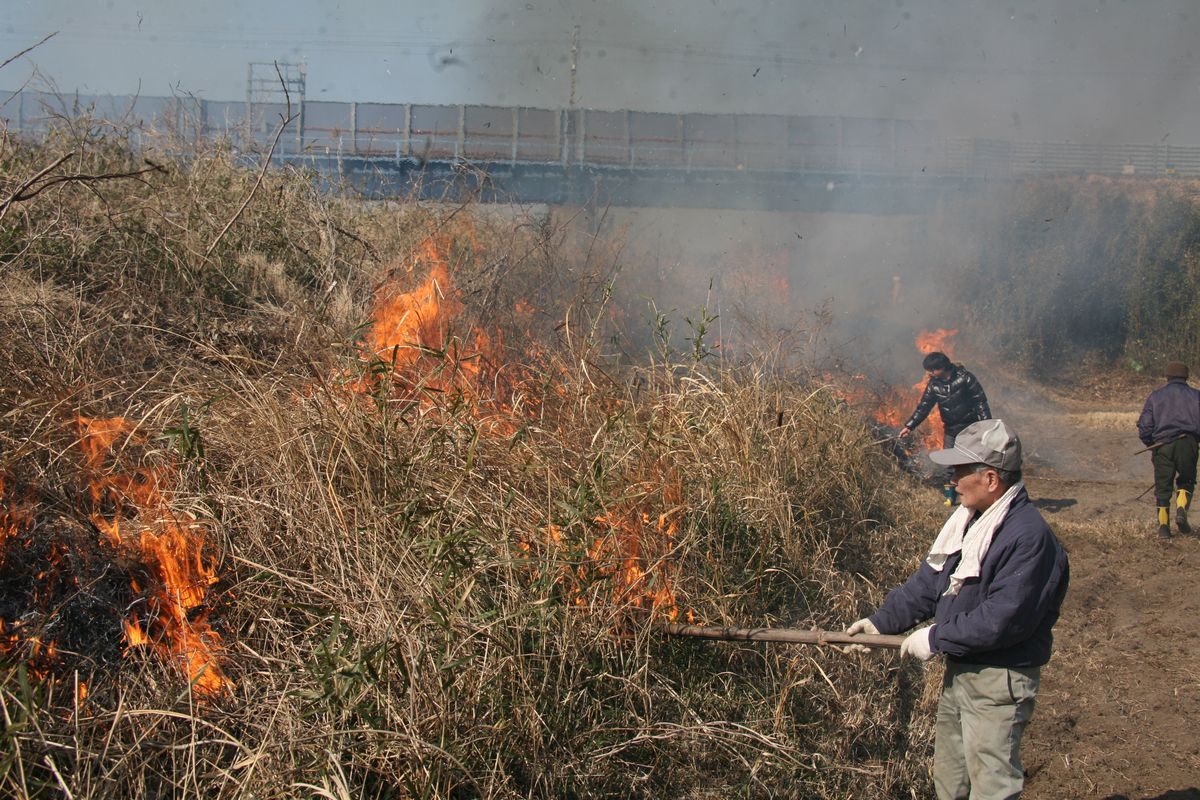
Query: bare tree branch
(27, 49)
(287, 120)
(26, 190)
(16, 196)
(261, 174)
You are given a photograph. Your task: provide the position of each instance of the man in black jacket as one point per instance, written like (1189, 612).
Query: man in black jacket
(1170, 423)
(993, 582)
(960, 400)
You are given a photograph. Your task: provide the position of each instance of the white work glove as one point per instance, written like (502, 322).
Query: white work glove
(916, 644)
(864, 625)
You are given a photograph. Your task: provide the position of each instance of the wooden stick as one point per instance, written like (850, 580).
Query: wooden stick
(787, 635)
(1157, 445)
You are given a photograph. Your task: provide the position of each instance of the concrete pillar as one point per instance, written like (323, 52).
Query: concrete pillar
(407, 140)
(516, 130)
(628, 141)
(559, 139)
(460, 145)
(580, 135)
(300, 127)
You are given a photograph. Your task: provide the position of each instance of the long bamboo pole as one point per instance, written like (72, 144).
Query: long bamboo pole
(788, 635)
(1157, 445)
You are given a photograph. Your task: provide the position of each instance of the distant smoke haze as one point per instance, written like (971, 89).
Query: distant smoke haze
(1080, 71)
(1099, 71)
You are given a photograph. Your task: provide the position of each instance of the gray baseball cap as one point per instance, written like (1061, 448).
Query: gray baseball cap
(988, 441)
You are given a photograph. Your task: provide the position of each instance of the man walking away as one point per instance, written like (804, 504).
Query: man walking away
(960, 400)
(993, 583)
(1170, 424)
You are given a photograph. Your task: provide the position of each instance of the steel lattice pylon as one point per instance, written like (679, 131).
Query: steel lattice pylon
(272, 86)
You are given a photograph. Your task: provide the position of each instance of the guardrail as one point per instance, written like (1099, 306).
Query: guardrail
(627, 139)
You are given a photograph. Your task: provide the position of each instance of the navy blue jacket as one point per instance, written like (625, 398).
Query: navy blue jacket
(1002, 618)
(1169, 411)
(960, 401)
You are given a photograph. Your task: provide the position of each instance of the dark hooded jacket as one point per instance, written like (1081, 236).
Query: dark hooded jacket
(1004, 617)
(1170, 411)
(960, 400)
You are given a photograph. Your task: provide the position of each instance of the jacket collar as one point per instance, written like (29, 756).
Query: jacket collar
(1020, 499)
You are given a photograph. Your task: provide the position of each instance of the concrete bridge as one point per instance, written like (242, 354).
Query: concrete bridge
(646, 186)
(587, 156)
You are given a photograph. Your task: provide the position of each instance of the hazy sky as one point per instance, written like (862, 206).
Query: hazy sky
(1103, 70)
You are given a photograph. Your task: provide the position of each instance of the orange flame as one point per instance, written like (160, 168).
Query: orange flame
(633, 553)
(939, 340)
(629, 552)
(15, 515)
(408, 326)
(169, 545)
(412, 333)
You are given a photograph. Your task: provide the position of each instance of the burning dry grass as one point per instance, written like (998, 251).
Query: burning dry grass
(436, 548)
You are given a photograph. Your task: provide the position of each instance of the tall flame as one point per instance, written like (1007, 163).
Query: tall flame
(409, 326)
(939, 340)
(169, 546)
(633, 551)
(411, 332)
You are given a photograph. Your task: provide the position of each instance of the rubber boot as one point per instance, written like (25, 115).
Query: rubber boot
(950, 493)
(1164, 529)
(1182, 501)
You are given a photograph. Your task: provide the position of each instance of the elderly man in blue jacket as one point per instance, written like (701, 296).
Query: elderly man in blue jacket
(993, 583)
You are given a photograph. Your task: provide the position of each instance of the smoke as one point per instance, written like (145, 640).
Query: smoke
(1064, 70)
(1103, 71)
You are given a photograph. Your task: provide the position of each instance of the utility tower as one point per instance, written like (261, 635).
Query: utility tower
(274, 91)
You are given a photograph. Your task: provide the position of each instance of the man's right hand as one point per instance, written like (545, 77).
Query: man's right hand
(864, 625)
(905, 431)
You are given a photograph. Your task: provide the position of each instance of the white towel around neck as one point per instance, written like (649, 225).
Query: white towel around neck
(973, 542)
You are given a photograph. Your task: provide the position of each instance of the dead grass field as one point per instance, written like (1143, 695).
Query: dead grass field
(303, 497)
(424, 566)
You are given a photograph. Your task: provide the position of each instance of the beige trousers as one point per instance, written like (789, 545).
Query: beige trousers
(981, 716)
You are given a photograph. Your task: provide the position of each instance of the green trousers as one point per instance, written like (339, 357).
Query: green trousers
(981, 717)
(1174, 468)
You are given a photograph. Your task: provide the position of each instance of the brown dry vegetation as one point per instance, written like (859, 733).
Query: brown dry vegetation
(1083, 271)
(396, 618)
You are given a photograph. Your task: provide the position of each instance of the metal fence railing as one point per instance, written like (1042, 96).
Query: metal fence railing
(629, 139)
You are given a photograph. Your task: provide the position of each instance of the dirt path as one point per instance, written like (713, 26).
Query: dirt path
(1119, 711)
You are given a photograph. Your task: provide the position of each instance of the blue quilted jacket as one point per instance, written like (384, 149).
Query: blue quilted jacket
(1004, 617)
